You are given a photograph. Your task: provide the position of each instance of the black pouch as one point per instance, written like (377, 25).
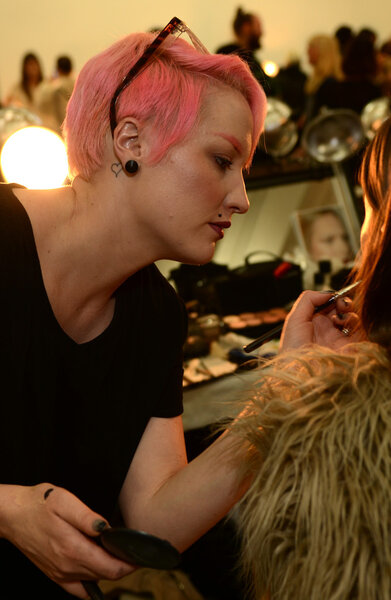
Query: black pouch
(252, 287)
(199, 283)
(261, 285)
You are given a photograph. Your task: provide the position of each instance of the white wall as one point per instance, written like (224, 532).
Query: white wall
(83, 27)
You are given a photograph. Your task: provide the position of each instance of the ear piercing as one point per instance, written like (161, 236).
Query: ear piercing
(131, 166)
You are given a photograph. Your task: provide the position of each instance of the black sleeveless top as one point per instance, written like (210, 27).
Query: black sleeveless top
(73, 414)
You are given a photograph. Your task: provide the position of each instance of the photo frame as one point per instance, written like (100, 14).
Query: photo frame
(324, 233)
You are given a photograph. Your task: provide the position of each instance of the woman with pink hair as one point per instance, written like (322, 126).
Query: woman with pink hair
(158, 135)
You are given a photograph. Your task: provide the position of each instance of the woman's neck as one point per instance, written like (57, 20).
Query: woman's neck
(80, 261)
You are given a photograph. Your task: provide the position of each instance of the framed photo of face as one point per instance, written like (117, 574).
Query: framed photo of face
(323, 233)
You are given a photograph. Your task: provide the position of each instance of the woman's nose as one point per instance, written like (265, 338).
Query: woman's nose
(238, 199)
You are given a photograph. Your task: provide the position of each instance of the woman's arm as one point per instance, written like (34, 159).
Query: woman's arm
(165, 496)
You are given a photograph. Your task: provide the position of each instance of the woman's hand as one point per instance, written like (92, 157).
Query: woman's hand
(55, 530)
(334, 328)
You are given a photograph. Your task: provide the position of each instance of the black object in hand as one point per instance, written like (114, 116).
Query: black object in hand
(138, 548)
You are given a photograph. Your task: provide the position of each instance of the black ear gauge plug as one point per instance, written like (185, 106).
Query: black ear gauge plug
(131, 167)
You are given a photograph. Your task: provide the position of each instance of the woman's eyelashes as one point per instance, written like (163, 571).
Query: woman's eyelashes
(223, 162)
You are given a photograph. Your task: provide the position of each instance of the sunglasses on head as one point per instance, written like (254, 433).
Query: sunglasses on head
(168, 34)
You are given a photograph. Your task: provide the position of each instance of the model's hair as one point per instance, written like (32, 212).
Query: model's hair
(167, 95)
(373, 298)
(328, 63)
(316, 520)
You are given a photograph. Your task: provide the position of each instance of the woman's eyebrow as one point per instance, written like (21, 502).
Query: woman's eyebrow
(233, 140)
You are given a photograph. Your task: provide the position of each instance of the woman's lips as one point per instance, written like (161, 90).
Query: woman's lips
(220, 226)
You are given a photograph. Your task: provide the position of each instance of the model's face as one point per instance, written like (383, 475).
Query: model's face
(329, 239)
(197, 187)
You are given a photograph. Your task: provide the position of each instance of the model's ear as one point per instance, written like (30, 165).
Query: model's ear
(127, 140)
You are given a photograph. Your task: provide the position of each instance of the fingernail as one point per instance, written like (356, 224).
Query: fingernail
(346, 303)
(341, 316)
(47, 493)
(99, 525)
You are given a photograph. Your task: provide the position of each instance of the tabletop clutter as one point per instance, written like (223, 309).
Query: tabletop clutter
(227, 308)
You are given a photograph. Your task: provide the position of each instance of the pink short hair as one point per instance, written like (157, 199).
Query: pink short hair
(167, 94)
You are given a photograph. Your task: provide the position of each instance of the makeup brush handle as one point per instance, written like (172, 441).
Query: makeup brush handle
(264, 338)
(93, 589)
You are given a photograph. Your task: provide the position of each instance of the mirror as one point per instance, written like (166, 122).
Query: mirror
(280, 134)
(14, 118)
(333, 136)
(374, 114)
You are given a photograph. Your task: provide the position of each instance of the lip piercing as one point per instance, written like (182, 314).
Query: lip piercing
(345, 331)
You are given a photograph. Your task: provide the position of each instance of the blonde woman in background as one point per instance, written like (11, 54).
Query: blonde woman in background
(325, 60)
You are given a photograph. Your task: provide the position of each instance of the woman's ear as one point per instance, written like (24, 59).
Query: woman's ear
(127, 140)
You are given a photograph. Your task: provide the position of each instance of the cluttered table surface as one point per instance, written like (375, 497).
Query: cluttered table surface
(217, 373)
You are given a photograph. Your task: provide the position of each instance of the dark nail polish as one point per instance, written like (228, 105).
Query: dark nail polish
(47, 493)
(99, 525)
(341, 316)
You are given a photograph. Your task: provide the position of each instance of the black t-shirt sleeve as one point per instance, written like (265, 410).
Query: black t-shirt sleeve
(164, 334)
(170, 402)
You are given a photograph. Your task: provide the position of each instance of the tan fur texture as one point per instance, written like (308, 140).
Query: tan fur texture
(316, 521)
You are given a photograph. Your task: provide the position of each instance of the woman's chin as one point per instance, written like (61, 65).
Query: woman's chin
(197, 258)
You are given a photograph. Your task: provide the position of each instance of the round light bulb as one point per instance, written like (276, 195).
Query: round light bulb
(270, 67)
(34, 157)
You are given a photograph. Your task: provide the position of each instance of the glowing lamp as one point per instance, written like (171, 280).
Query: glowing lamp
(270, 67)
(34, 157)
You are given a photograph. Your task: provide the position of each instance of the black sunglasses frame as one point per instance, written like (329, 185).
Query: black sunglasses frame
(174, 26)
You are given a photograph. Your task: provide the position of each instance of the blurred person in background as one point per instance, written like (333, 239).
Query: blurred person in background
(22, 94)
(344, 35)
(52, 96)
(63, 85)
(325, 60)
(247, 29)
(384, 68)
(358, 85)
(290, 86)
